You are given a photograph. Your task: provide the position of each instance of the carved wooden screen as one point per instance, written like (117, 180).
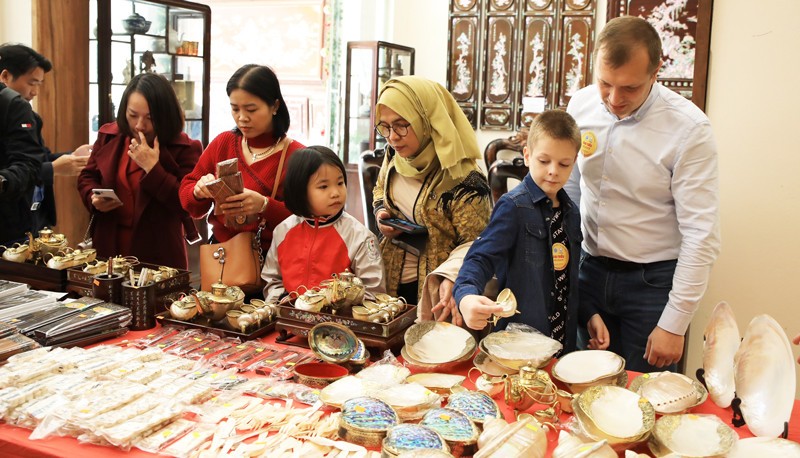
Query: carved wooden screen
(524, 48)
(464, 39)
(685, 30)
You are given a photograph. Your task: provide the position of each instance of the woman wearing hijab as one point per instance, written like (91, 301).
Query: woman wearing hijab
(430, 177)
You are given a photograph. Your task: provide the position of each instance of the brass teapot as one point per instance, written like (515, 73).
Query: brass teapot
(221, 299)
(530, 386)
(48, 242)
(344, 290)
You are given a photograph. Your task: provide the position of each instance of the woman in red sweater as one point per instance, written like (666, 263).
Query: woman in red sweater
(142, 157)
(258, 142)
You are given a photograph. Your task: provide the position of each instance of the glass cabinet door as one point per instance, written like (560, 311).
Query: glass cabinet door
(168, 37)
(369, 65)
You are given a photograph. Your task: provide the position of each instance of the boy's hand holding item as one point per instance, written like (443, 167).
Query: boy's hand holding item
(477, 310)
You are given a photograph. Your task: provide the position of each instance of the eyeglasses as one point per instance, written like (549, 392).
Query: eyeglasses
(384, 130)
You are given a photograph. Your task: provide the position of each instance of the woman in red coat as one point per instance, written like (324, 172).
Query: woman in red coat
(142, 157)
(258, 142)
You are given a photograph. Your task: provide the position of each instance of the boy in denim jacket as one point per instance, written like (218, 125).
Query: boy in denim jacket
(533, 244)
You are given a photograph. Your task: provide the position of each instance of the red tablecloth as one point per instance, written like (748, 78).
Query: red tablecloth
(14, 441)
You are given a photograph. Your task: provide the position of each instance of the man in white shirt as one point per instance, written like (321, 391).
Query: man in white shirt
(647, 183)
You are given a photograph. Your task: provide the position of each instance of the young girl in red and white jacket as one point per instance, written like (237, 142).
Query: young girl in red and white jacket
(320, 239)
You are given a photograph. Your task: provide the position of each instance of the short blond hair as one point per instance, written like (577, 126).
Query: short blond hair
(556, 124)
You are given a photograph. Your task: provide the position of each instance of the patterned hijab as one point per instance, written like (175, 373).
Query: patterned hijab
(446, 137)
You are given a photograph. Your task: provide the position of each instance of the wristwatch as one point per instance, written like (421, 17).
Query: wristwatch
(2, 184)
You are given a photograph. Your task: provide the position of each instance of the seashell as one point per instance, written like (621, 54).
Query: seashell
(410, 437)
(669, 392)
(516, 349)
(764, 446)
(460, 433)
(615, 414)
(525, 437)
(384, 374)
(344, 389)
(570, 446)
(332, 342)
(476, 405)
(438, 383)
(424, 342)
(489, 384)
(365, 421)
(410, 400)
(691, 435)
(765, 377)
(582, 369)
(491, 428)
(508, 301)
(719, 349)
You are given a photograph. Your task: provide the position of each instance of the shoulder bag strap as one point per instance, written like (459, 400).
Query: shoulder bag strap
(263, 223)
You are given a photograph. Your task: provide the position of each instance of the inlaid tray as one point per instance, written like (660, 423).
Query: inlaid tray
(295, 317)
(220, 328)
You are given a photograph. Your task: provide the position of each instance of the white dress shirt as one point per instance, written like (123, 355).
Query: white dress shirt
(650, 190)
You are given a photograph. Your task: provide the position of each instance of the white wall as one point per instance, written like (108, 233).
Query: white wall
(753, 103)
(15, 21)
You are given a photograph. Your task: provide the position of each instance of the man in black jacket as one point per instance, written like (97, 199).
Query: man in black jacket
(22, 69)
(20, 161)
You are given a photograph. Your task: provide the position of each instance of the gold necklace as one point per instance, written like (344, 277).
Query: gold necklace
(264, 153)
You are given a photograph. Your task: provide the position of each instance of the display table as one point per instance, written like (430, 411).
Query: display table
(14, 441)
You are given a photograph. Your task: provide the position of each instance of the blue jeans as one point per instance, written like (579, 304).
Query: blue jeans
(630, 298)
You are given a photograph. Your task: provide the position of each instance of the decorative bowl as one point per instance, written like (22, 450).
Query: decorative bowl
(409, 437)
(460, 433)
(670, 393)
(424, 342)
(319, 375)
(441, 384)
(615, 414)
(418, 366)
(580, 370)
(136, 23)
(691, 436)
(474, 404)
(365, 421)
(514, 349)
(332, 342)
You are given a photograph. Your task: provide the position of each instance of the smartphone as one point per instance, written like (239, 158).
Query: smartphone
(406, 226)
(106, 194)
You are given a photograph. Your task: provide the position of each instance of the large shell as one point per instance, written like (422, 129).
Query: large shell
(764, 446)
(669, 392)
(719, 348)
(691, 435)
(765, 377)
(570, 446)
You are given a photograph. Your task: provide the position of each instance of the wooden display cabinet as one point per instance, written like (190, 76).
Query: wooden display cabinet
(176, 43)
(369, 65)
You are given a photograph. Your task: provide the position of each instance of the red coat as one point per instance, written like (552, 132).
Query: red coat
(158, 234)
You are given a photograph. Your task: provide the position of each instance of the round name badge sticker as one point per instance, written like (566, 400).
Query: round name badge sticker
(588, 143)
(560, 256)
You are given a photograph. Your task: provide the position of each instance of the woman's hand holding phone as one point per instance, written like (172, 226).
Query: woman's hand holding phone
(388, 231)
